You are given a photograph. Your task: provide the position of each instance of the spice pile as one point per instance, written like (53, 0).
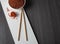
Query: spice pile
(16, 3)
(13, 14)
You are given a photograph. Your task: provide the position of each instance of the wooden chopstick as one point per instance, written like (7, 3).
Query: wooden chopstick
(22, 13)
(20, 27)
(25, 26)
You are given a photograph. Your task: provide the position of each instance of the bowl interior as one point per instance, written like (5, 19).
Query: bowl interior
(19, 7)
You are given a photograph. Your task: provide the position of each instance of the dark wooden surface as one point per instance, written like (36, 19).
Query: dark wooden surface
(44, 16)
(5, 35)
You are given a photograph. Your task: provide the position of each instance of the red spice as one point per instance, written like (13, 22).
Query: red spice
(13, 14)
(16, 3)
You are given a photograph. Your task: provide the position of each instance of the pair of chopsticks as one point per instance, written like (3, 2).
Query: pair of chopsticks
(22, 15)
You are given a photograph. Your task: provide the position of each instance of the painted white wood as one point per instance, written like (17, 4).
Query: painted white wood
(14, 25)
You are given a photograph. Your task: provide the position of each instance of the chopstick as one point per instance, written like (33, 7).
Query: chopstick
(20, 27)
